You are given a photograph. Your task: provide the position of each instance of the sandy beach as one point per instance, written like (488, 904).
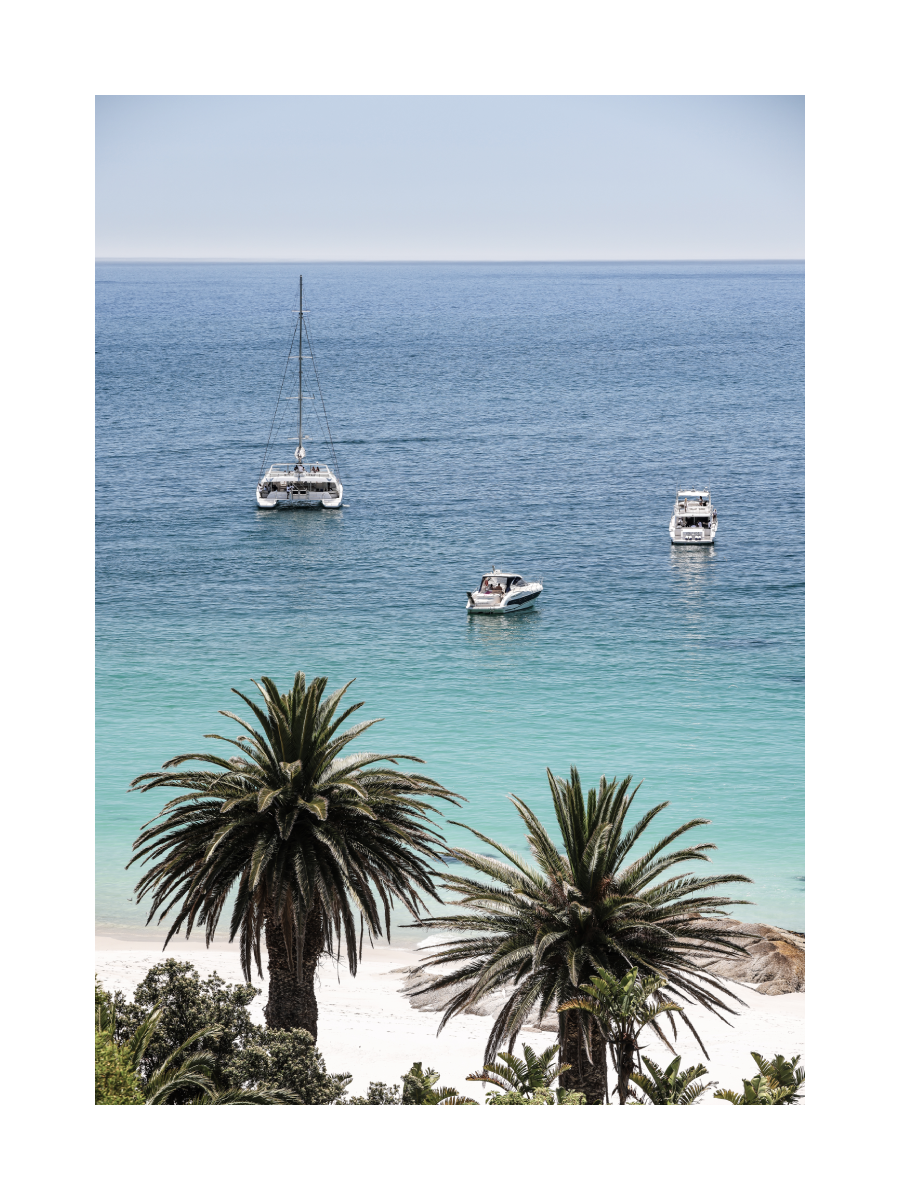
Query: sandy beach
(368, 1027)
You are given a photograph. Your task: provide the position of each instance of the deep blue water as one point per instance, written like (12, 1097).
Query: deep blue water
(535, 416)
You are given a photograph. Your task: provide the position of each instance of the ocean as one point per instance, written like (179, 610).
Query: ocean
(536, 416)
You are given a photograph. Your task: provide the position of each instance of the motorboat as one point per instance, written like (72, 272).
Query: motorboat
(694, 521)
(503, 591)
(299, 484)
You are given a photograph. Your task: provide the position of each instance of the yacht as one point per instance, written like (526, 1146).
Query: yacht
(503, 591)
(694, 519)
(300, 484)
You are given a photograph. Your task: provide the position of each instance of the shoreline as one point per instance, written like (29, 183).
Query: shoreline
(139, 937)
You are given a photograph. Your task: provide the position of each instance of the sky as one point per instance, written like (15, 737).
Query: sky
(495, 178)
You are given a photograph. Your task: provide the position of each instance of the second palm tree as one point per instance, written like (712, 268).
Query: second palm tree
(540, 929)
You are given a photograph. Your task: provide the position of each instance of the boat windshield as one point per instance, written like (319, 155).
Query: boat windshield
(493, 583)
(500, 583)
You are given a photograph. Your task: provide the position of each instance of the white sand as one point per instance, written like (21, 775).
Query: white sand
(368, 1028)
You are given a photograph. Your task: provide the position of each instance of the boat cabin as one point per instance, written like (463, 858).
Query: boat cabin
(692, 509)
(495, 584)
(297, 479)
(692, 502)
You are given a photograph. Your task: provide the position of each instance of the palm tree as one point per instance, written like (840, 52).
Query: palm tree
(540, 929)
(301, 834)
(619, 1009)
(514, 1075)
(672, 1085)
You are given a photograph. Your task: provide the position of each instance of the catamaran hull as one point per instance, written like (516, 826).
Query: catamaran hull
(313, 500)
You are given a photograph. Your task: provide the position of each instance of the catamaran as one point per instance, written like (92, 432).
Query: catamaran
(300, 484)
(694, 519)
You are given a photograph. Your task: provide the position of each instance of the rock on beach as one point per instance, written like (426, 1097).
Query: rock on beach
(776, 962)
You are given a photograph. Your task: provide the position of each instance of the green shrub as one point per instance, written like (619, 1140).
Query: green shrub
(286, 1058)
(183, 1021)
(540, 1096)
(377, 1093)
(188, 1004)
(114, 1080)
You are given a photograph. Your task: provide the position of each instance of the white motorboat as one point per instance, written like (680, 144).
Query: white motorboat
(694, 521)
(300, 484)
(503, 591)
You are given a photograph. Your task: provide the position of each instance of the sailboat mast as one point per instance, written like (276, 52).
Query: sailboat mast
(300, 375)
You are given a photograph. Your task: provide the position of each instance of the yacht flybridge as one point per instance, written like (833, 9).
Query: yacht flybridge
(300, 484)
(503, 591)
(694, 519)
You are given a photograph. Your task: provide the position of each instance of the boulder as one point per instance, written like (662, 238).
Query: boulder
(775, 959)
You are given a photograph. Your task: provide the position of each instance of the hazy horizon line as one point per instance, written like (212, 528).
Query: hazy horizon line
(427, 261)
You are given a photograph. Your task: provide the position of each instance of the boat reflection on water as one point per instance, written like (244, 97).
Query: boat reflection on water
(691, 565)
(692, 571)
(300, 517)
(505, 632)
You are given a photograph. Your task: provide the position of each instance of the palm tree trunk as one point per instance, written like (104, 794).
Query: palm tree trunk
(599, 1050)
(626, 1067)
(292, 1000)
(585, 1076)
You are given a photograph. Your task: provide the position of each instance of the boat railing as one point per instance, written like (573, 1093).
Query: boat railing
(279, 470)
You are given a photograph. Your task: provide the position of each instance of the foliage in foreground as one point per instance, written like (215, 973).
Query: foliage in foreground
(671, 1085)
(525, 1076)
(419, 1088)
(114, 1080)
(285, 1067)
(287, 1058)
(376, 1093)
(188, 1004)
(300, 836)
(778, 1082)
(542, 928)
(172, 1057)
(620, 1009)
(522, 1082)
(538, 1096)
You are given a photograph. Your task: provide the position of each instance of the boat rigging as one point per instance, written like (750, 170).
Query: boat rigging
(300, 484)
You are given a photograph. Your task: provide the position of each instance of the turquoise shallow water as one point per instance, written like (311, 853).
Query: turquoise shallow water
(538, 416)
